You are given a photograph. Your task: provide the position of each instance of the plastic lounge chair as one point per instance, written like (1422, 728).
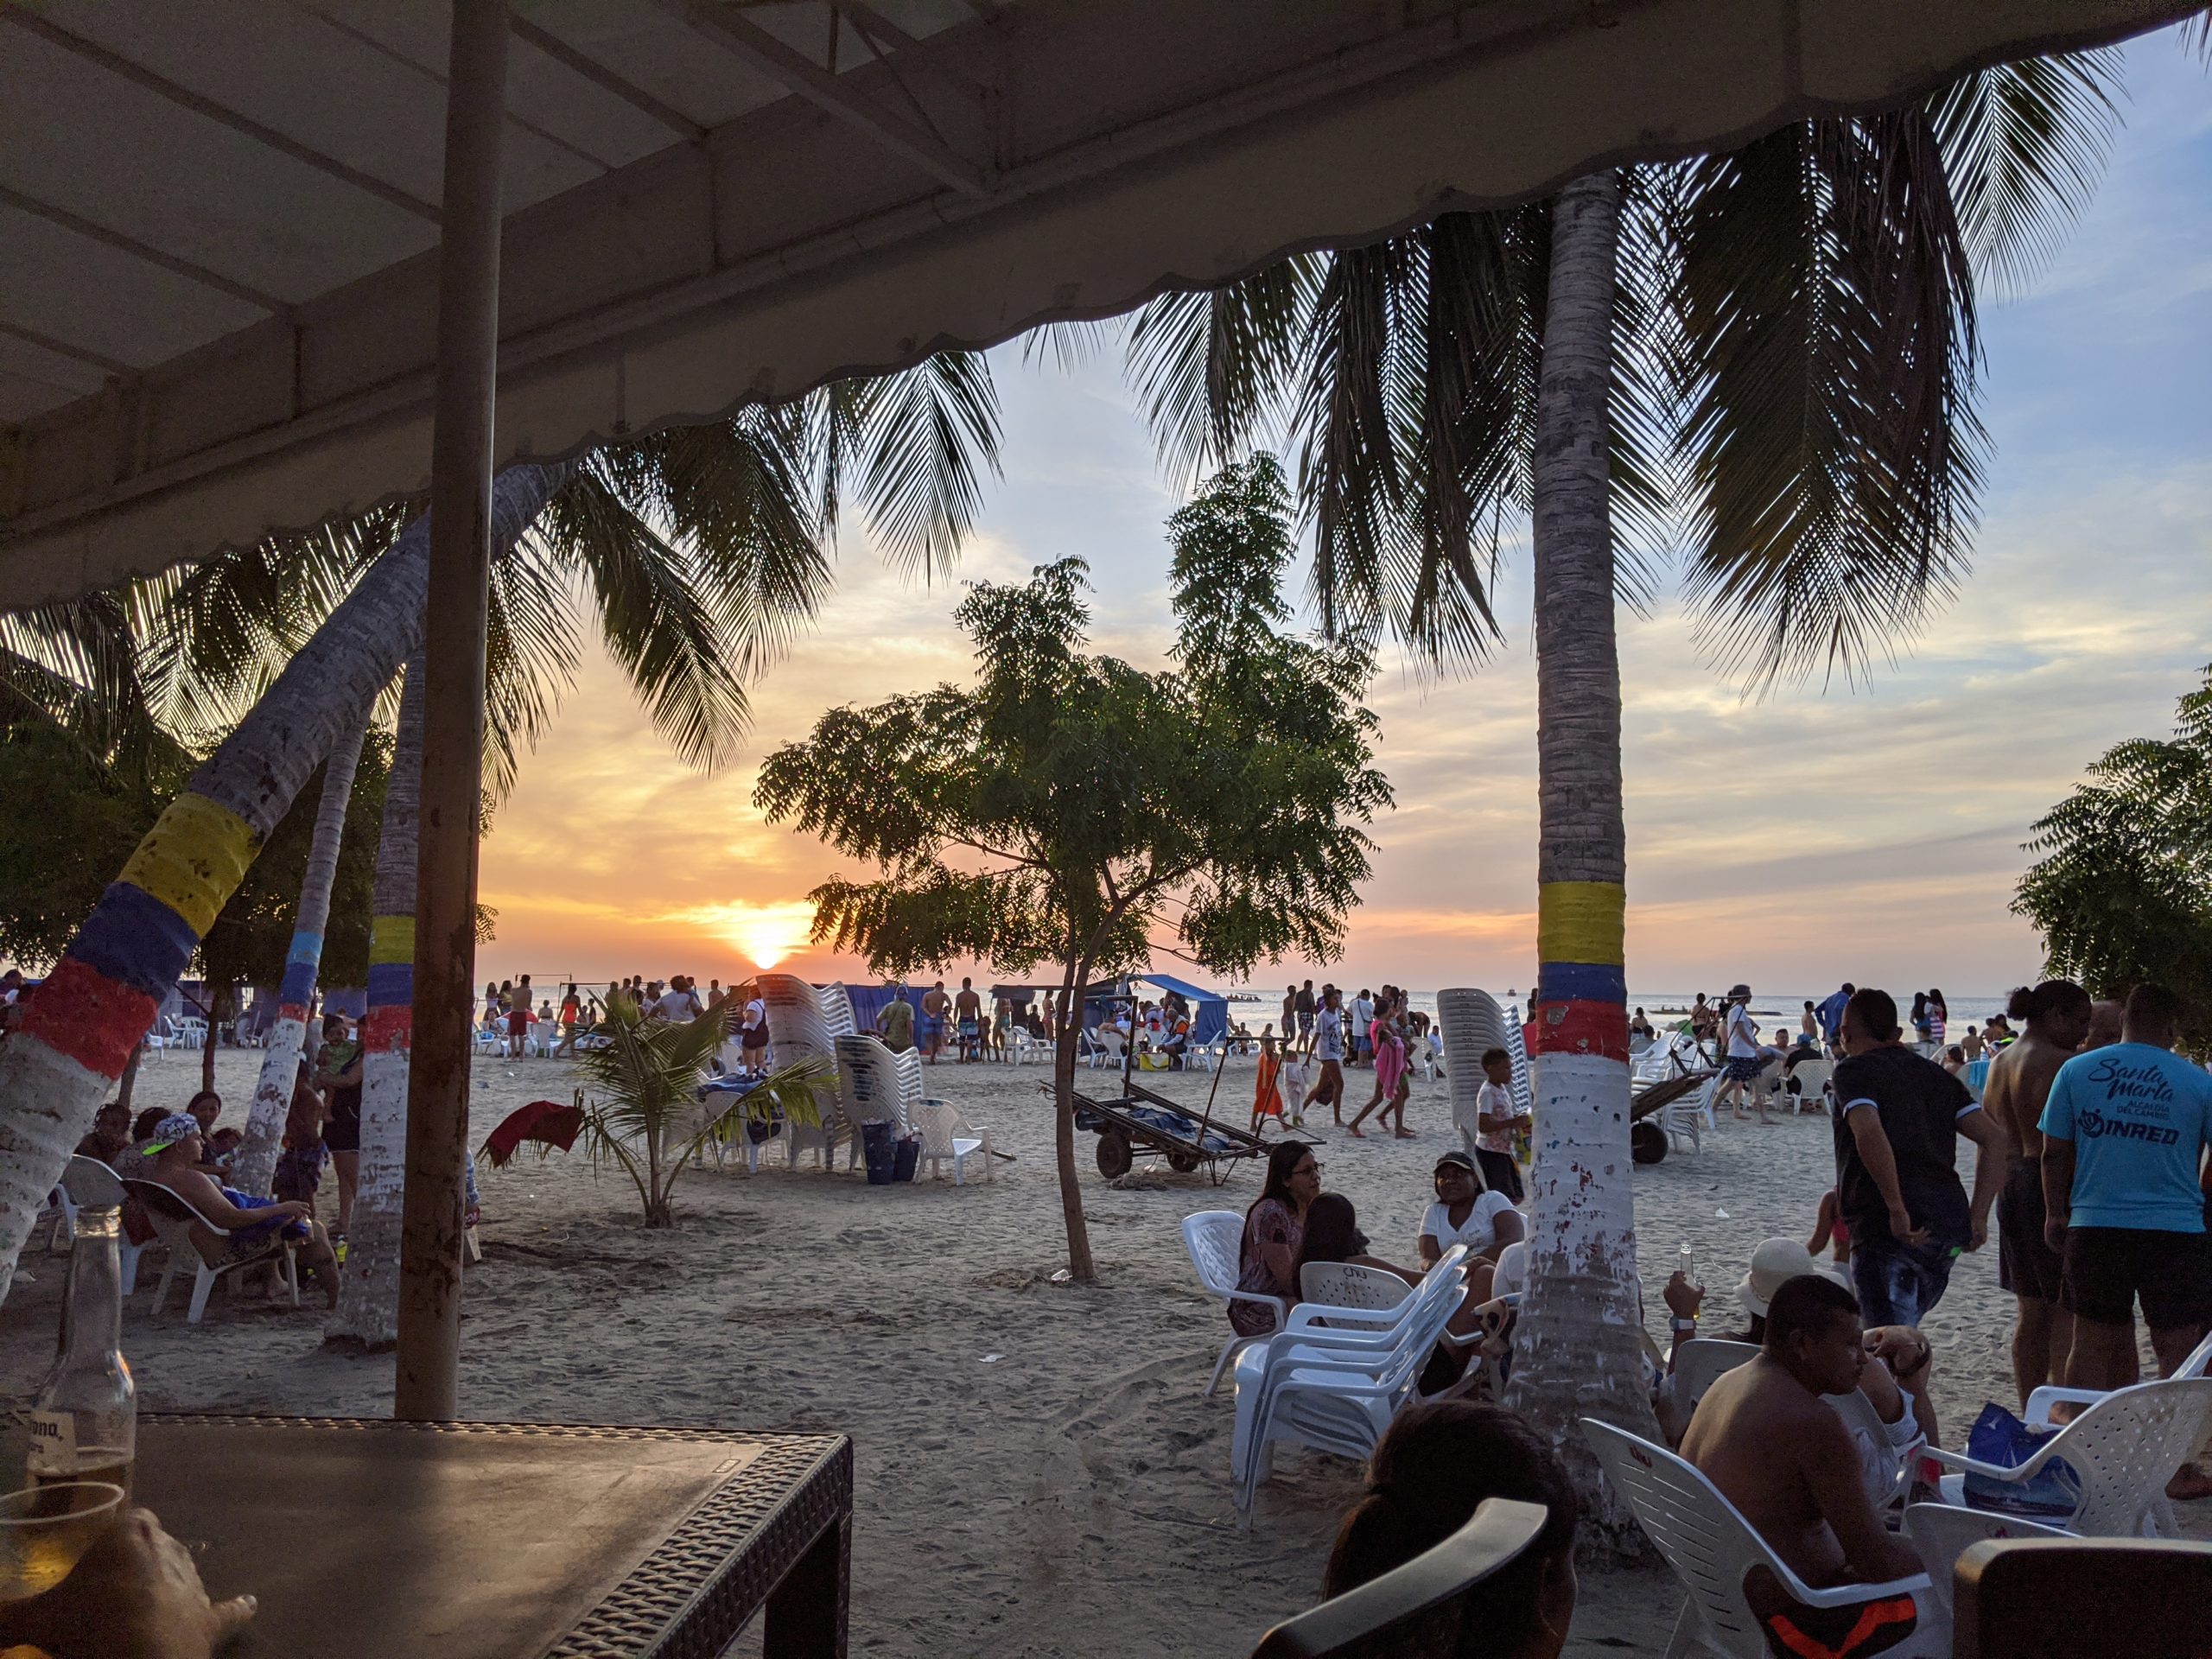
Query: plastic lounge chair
(1419, 1608)
(173, 1217)
(2146, 1600)
(2124, 1447)
(947, 1137)
(1942, 1533)
(1699, 1362)
(1727, 1566)
(1346, 1284)
(1215, 1239)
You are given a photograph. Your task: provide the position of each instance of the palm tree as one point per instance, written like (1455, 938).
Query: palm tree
(645, 1117)
(1769, 355)
(702, 547)
(254, 1165)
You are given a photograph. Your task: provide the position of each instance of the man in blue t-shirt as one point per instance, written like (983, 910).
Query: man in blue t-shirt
(2124, 1131)
(1830, 1014)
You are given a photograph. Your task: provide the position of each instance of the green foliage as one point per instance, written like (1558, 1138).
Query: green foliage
(249, 941)
(72, 821)
(1070, 808)
(643, 1113)
(2122, 892)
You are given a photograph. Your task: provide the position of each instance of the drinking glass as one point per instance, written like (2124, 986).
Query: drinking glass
(45, 1529)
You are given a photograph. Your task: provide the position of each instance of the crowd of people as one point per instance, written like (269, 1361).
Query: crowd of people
(2092, 1138)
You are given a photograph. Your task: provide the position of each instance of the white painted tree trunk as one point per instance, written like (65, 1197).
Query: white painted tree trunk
(254, 1168)
(368, 1299)
(1576, 1348)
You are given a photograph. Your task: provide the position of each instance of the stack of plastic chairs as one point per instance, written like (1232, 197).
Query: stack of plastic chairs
(800, 1029)
(873, 1082)
(1516, 1045)
(1473, 1024)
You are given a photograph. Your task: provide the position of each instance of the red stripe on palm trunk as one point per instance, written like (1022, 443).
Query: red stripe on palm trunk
(1577, 1026)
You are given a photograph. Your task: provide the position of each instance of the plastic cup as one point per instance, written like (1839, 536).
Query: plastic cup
(45, 1530)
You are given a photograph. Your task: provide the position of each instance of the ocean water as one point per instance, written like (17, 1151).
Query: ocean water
(1769, 1008)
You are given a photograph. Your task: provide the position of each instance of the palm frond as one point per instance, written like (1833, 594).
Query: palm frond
(653, 616)
(1833, 456)
(1215, 368)
(1070, 345)
(530, 656)
(2025, 146)
(916, 446)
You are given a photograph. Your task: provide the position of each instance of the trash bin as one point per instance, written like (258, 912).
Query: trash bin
(880, 1148)
(908, 1159)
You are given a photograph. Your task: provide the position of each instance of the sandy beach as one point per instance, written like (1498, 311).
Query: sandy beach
(1038, 1471)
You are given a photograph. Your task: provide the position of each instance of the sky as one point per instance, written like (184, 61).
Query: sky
(1817, 833)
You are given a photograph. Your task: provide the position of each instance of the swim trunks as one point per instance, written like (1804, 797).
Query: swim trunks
(2106, 1268)
(1743, 1068)
(2026, 1265)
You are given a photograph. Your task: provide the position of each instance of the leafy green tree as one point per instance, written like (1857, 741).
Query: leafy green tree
(2122, 891)
(1072, 808)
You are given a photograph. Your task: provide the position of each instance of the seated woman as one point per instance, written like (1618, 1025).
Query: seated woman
(246, 1221)
(1430, 1470)
(1274, 1232)
(1468, 1212)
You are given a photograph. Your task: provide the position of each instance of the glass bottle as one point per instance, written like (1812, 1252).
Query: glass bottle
(84, 1420)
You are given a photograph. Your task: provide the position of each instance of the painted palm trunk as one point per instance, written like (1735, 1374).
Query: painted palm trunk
(368, 1301)
(1578, 1348)
(254, 1169)
(85, 1022)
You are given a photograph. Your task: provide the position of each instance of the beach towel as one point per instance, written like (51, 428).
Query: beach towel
(548, 1122)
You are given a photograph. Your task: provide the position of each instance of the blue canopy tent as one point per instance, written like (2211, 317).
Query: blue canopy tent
(870, 1001)
(1209, 1009)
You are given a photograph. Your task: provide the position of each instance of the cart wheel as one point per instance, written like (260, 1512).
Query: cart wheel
(1114, 1154)
(1647, 1142)
(1182, 1162)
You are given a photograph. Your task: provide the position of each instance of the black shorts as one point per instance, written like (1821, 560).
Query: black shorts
(2026, 1265)
(343, 1132)
(2108, 1267)
(1500, 1173)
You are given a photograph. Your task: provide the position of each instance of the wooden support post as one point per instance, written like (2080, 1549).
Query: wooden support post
(460, 552)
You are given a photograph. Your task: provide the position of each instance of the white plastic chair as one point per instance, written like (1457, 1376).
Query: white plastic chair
(949, 1137)
(2199, 1363)
(1684, 1118)
(1942, 1533)
(58, 1218)
(1332, 1385)
(155, 1041)
(172, 1217)
(1813, 1079)
(1710, 1546)
(191, 1031)
(2124, 1447)
(1107, 1045)
(1346, 1284)
(1702, 1361)
(1215, 1239)
(1885, 1467)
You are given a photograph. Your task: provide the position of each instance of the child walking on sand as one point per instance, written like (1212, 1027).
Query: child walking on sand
(1267, 1084)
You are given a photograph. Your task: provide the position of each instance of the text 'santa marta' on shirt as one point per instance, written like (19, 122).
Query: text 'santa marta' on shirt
(2138, 1118)
(1920, 1104)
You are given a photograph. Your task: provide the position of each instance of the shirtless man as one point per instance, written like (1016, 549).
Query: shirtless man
(935, 1005)
(2056, 1016)
(1763, 1436)
(176, 1149)
(968, 1008)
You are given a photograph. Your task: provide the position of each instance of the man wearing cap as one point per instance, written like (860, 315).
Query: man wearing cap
(1773, 1447)
(1898, 1119)
(246, 1221)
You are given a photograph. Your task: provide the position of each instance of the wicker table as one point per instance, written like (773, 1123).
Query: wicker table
(507, 1541)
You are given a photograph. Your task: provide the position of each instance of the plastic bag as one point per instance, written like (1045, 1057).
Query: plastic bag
(2000, 1438)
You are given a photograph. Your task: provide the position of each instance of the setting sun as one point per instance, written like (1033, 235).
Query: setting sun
(765, 933)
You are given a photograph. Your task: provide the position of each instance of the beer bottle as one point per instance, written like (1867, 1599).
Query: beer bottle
(84, 1420)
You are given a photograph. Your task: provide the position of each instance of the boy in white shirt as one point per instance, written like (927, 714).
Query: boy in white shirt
(1495, 1119)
